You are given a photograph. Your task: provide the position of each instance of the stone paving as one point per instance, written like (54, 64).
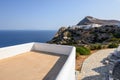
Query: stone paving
(93, 68)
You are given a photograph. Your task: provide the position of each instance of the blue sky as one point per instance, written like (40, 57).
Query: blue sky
(52, 14)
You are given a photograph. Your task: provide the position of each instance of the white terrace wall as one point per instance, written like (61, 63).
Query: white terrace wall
(53, 48)
(15, 50)
(68, 70)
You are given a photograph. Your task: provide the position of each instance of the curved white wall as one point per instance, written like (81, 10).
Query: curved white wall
(53, 48)
(68, 70)
(15, 50)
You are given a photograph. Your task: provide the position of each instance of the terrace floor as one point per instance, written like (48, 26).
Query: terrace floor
(31, 66)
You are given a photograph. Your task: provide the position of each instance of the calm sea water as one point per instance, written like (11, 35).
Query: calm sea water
(8, 38)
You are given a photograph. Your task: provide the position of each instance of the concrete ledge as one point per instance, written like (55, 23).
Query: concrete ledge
(67, 72)
(10, 51)
(53, 48)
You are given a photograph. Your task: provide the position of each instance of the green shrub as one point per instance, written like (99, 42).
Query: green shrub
(116, 40)
(113, 45)
(113, 39)
(104, 46)
(117, 35)
(82, 50)
(95, 46)
(99, 46)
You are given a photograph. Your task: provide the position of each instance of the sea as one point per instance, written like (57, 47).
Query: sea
(14, 37)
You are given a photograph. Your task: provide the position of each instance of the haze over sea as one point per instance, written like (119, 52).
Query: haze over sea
(14, 37)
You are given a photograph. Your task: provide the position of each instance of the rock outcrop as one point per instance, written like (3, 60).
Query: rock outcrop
(91, 20)
(108, 32)
(79, 36)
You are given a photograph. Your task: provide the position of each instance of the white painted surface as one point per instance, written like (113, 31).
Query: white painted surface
(85, 26)
(68, 70)
(53, 48)
(15, 50)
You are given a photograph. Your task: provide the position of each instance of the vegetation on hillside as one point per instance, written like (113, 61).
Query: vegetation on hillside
(88, 39)
(83, 50)
(113, 45)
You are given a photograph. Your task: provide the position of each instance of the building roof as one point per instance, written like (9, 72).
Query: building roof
(32, 66)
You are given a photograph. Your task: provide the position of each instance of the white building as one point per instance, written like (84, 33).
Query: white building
(86, 26)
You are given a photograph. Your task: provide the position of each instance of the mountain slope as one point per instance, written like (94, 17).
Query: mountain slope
(108, 32)
(91, 20)
(104, 34)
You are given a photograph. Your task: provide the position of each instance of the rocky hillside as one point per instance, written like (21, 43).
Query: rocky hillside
(104, 34)
(91, 20)
(108, 32)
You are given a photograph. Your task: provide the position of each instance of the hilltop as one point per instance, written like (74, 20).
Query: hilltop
(108, 32)
(91, 20)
